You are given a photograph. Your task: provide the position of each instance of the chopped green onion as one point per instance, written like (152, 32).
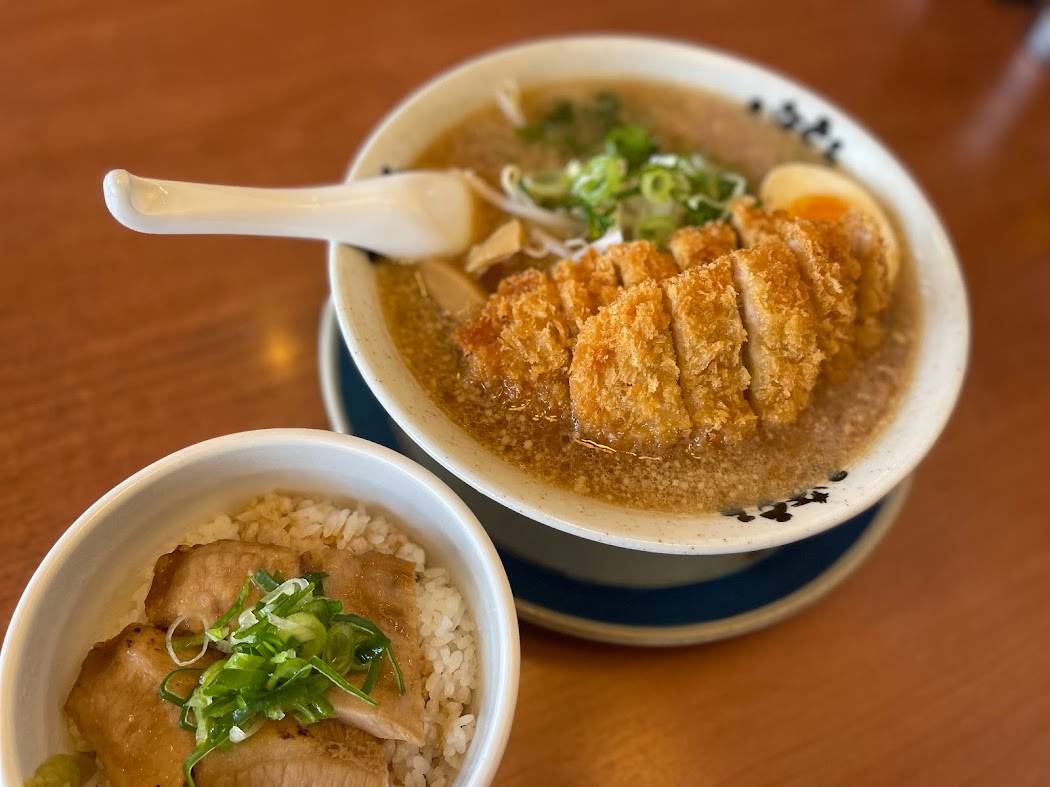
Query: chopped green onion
(265, 581)
(286, 653)
(546, 185)
(632, 143)
(657, 185)
(657, 228)
(371, 677)
(170, 696)
(398, 676)
(661, 191)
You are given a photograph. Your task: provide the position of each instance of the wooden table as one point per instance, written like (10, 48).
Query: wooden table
(930, 666)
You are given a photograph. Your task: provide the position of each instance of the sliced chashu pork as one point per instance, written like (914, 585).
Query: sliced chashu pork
(782, 352)
(325, 754)
(708, 339)
(378, 587)
(830, 270)
(115, 706)
(623, 380)
(518, 344)
(205, 579)
(381, 588)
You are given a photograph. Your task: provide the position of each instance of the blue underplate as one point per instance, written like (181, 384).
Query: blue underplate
(758, 593)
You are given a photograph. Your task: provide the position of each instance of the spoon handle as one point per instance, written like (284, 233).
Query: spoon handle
(407, 215)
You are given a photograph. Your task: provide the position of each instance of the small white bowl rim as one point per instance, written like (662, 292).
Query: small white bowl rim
(813, 524)
(492, 741)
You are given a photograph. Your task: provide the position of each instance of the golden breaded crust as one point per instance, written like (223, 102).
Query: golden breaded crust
(753, 224)
(874, 291)
(585, 285)
(708, 339)
(692, 246)
(639, 261)
(623, 380)
(828, 265)
(518, 344)
(782, 354)
(822, 250)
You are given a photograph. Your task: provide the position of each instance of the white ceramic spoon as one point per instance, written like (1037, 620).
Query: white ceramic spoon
(404, 216)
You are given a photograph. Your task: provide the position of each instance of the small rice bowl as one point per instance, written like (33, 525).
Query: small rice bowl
(447, 630)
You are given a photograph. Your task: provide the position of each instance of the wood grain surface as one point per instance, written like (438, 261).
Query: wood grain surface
(931, 665)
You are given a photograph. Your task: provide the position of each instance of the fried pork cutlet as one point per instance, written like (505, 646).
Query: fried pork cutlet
(874, 289)
(623, 381)
(822, 250)
(639, 261)
(692, 246)
(781, 353)
(708, 339)
(584, 286)
(519, 344)
(753, 224)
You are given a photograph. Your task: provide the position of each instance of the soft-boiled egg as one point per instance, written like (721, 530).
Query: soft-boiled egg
(811, 191)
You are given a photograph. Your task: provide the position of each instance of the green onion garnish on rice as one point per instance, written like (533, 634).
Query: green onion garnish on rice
(282, 658)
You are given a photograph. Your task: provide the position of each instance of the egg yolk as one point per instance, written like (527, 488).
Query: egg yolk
(819, 207)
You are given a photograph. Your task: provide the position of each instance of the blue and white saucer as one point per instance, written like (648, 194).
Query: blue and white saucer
(605, 593)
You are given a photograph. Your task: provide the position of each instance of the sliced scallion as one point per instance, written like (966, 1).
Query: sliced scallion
(286, 653)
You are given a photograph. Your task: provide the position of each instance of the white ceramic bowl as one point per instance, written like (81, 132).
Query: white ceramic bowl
(84, 583)
(894, 453)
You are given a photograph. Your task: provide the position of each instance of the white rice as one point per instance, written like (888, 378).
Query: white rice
(446, 628)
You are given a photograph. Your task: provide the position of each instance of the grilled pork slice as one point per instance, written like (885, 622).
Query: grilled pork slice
(115, 706)
(206, 579)
(623, 381)
(325, 754)
(822, 250)
(693, 246)
(584, 286)
(519, 344)
(381, 588)
(781, 353)
(875, 289)
(639, 261)
(708, 339)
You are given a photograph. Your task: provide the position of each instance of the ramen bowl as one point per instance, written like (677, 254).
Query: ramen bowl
(940, 355)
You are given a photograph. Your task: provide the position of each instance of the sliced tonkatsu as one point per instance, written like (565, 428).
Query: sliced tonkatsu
(822, 250)
(782, 352)
(623, 380)
(324, 754)
(381, 588)
(693, 246)
(204, 580)
(875, 287)
(584, 286)
(709, 338)
(518, 344)
(640, 261)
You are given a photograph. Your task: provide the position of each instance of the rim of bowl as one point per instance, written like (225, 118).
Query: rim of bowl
(415, 428)
(493, 740)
